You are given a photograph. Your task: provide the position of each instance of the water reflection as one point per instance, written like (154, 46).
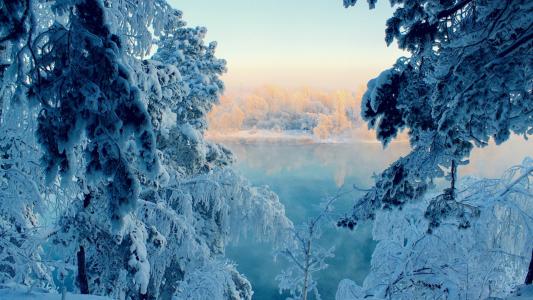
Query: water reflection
(335, 161)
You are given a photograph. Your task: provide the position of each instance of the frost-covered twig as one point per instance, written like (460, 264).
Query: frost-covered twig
(304, 253)
(526, 174)
(466, 263)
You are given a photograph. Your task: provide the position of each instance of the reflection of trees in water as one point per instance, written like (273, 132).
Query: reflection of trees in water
(360, 160)
(338, 161)
(272, 158)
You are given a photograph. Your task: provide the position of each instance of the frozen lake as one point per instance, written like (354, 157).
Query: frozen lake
(303, 174)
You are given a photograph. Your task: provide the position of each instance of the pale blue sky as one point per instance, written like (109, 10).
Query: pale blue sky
(295, 42)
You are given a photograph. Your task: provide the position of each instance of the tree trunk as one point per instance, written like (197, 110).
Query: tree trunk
(529, 276)
(82, 272)
(306, 270)
(454, 176)
(450, 192)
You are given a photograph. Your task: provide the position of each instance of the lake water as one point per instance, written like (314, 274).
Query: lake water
(303, 174)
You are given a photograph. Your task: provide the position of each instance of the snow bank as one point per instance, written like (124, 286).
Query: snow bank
(23, 293)
(356, 135)
(261, 136)
(523, 292)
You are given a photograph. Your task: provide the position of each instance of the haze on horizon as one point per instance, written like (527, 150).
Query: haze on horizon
(300, 45)
(295, 43)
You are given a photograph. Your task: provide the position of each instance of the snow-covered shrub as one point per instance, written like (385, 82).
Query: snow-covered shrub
(21, 184)
(217, 206)
(304, 254)
(217, 281)
(486, 259)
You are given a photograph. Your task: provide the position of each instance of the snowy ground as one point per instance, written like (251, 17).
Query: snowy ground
(524, 292)
(22, 293)
(300, 136)
(261, 135)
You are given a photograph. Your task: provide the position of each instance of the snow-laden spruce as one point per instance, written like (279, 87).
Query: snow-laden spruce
(487, 259)
(143, 205)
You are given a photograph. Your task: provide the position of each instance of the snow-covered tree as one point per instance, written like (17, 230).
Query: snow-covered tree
(86, 90)
(305, 254)
(487, 259)
(148, 204)
(91, 112)
(467, 80)
(184, 49)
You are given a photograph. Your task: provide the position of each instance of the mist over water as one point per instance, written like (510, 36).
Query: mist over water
(303, 173)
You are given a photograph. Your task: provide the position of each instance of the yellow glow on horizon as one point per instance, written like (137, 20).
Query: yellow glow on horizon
(329, 78)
